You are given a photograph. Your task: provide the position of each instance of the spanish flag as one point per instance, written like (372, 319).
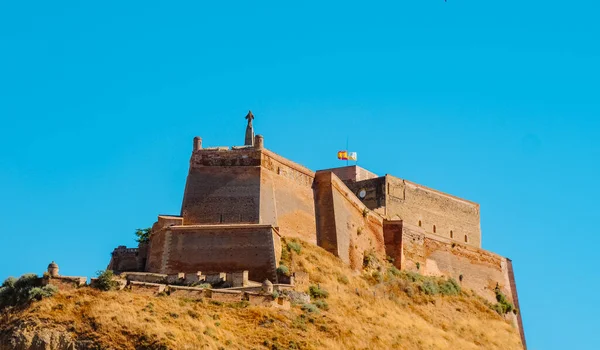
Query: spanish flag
(343, 155)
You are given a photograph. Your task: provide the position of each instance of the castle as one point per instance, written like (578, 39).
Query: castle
(240, 201)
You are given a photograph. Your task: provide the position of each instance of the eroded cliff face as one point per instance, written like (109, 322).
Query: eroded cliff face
(39, 339)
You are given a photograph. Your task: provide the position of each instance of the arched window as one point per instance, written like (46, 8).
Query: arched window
(466, 238)
(451, 234)
(419, 223)
(434, 229)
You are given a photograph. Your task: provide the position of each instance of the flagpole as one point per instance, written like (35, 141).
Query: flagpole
(347, 150)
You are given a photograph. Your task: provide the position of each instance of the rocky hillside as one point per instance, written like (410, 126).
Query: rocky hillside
(377, 308)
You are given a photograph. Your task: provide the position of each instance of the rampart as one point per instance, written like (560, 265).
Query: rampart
(436, 212)
(214, 248)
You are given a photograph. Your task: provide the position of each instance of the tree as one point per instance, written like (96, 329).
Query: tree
(143, 234)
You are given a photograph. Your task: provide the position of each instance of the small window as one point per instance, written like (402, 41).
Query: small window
(466, 238)
(451, 234)
(434, 229)
(419, 223)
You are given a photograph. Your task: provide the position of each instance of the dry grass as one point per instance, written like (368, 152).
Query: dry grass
(362, 314)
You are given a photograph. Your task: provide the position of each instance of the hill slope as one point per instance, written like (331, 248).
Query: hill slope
(379, 308)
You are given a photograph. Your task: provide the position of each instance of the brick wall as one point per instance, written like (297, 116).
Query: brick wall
(124, 259)
(156, 246)
(345, 226)
(439, 256)
(374, 190)
(222, 194)
(216, 248)
(352, 173)
(439, 213)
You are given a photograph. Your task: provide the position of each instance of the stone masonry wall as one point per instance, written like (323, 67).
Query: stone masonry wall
(374, 190)
(352, 173)
(222, 194)
(346, 227)
(438, 213)
(123, 259)
(287, 198)
(216, 248)
(439, 256)
(156, 246)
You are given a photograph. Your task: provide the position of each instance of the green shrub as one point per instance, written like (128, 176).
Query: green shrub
(343, 279)
(283, 270)
(38, 293)
(394, 271)
(503, 306)
(310, 308)
(322, 304)
(413, 276)
(317, 292)
(377, 276)
(24, 290)
(429, 287)
(449, 287)
(370, 259)
(295, 246)
(105, 280)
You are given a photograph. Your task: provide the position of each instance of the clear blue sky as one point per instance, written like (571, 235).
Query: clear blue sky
(494, 101)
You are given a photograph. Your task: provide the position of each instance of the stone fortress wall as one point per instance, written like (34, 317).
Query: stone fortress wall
(240, 201)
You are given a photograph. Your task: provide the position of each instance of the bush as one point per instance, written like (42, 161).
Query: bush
(394, 271)
(429, 287)
(343, 279)
(317, 292)
(322, 304)
(283, 270)
(503, 306)
(105, 280)
(310, 308)
(370, 259)
(449, 287)
(38, 293)
(24, 290)
(377, 276)
(295, 246)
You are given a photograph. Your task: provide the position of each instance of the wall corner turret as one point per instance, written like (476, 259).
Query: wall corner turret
(259, 142)
(197, 143)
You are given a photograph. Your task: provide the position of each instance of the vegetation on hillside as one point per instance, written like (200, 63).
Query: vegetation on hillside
(377, 308)
(25, 289)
